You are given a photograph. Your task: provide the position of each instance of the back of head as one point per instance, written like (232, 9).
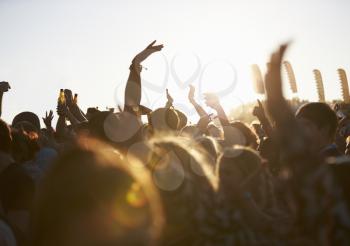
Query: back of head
(319, 114)
(91, 196)
(249, 135)
(210, 145)
(169, 150)
(243, 158)
(182, 119)
(30, 117)
(240, 168)
(186, 183)
(121, 129)
(91, 112)
(164, 119)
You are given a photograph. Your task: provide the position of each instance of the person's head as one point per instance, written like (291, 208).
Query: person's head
(164, 120)
(93, 196)
(183, 156)
(186, 184)
(17, 189)
(91, 112)
(28, 117)
(210, 146)
(5, 136)
(190, 131)
(182, 119)
(120, 129)
(241, 168)
(320, 123)
(248, 134)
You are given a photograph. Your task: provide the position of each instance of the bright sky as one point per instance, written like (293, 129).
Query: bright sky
(88, 45)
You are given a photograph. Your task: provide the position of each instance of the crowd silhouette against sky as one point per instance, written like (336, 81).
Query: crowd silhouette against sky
(134, 175)
(232, 128)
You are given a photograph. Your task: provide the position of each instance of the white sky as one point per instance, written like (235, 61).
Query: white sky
(88, 45)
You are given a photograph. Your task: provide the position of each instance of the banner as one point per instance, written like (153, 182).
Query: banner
(258, 81)
(344, 86)
(291, 76)
(319, 85)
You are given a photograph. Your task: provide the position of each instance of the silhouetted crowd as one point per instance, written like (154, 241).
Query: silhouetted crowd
(103, 178)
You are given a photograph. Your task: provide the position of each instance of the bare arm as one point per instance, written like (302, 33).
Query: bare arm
(200, 111)
(170, 100)
(213, 101)
(133, 86)
(61, 127)
(259, 112)
(294, 144)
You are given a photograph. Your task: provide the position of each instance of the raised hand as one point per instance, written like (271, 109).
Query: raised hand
(212, 100)
(203, 123)
(273, 79)
(62, 110)
(259, 111)
(169, 97)
(133, 89)
(150, 49)
(4, 86)
(69, 97)
(48, 119)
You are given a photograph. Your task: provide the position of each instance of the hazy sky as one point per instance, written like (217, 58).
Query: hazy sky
(88, 45)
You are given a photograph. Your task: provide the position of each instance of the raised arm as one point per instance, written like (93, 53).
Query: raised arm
(48, 122)
(170, 100)
(4, 87)
(73, 107)
(212, 101)
(133, 85)
(294, 143)
(200, 111)
(276, 104)
(259, 112)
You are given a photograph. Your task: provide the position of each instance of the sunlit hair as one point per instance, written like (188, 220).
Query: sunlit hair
(321, 115)
(188, 152)
(92, 195)
(190, 131)
(250, 137)
(211, 147)
(164, 119)
(182, 119)
(247, 160)
(187, 186)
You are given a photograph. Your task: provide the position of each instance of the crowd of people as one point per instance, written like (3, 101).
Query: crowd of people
(110, 178)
